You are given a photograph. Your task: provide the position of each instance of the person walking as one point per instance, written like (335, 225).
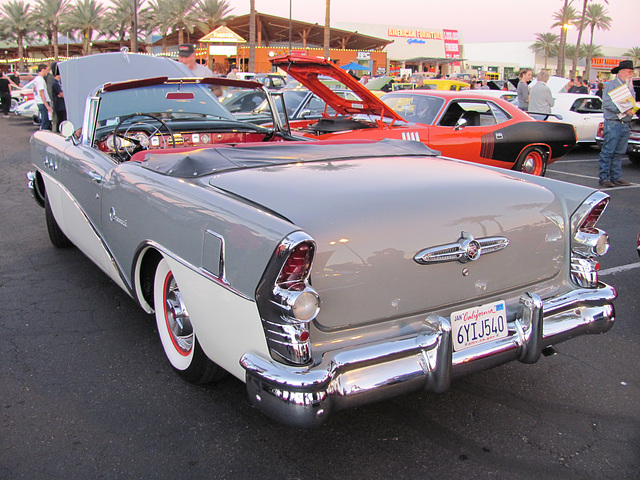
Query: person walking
(59, 108)
(41, 97)
(187, 56)
(540, 98)
(523, 88)
(5, 94)
(616, 128)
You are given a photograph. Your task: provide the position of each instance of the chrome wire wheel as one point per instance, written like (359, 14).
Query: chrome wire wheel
(177, 317)
(172, 318)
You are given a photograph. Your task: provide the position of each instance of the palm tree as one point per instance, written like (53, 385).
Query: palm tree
(252, 35)
(547, 43)
(50, 14)
(17, 22)
(212, 13)
(120, 19)
(86, 17)
(634, 54)
(183, 17)
(565, 16)
(597, 18)
(581, 27)
(157, 17)
(570, 52)
(590, 51)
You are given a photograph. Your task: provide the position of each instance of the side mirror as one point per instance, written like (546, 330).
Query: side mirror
(67, 129)
(461, 123)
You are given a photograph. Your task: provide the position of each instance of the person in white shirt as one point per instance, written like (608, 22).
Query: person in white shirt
(41, 96)
(187, 56)
(540, 98)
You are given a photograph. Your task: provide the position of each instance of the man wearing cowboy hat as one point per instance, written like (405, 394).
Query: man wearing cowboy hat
(616, 129)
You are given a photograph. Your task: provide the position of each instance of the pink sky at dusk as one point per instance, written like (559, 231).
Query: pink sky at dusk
(476, 20)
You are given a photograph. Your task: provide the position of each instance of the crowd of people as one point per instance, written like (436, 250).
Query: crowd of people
(537, 98)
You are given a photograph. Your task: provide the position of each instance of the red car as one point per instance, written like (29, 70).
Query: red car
(460, 124)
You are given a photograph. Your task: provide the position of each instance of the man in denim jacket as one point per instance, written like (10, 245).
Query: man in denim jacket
(616, 129)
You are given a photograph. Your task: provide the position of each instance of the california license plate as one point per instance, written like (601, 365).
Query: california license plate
(478, 325)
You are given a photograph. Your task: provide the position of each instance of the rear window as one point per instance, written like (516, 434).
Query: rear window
(587, 105)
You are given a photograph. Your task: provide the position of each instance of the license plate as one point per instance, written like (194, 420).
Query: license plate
(478, 325)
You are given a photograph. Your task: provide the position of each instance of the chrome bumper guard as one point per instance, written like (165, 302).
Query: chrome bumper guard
(305, 396)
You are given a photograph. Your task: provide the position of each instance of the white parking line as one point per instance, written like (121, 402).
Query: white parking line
(622, 268)
(577, 161)
(574, 174)
(595, 179)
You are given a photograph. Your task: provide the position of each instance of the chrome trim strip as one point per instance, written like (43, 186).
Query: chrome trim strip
(465, 249)
(305, 396)
(129, 282)
(97, 233)
(585, 208)
(200, 271)
(222, 277)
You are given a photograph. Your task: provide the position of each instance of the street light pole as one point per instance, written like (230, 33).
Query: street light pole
(135, 26)
(290, 27)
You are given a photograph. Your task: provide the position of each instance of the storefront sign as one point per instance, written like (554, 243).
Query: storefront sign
(222, 35)
(364, 56)
(227, 50)
(451, 45)
(607, 63)
(410, 33)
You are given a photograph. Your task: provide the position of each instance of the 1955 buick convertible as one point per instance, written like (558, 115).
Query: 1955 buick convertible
(324, 275)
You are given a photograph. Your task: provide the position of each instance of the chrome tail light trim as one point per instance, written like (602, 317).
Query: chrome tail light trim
(588, 242)
(288, 337)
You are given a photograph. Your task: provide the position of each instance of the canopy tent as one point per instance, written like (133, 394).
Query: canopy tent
(354, 66)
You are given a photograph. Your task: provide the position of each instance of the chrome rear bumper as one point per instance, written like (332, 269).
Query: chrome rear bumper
(305, 396)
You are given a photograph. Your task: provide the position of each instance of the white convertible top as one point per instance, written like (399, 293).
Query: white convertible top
(82, 75)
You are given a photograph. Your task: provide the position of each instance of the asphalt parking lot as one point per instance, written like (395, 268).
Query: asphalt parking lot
(87, 393)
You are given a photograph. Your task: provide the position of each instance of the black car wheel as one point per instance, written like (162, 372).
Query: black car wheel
(56, 235)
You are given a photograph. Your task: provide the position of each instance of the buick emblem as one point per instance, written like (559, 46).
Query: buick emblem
(466, 249)
(473, 250)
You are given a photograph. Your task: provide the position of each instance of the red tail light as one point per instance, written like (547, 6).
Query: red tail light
(296, 268)
(600, 130)
(591, 219)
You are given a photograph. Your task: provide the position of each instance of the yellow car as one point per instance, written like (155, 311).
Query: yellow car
(438, 83)
(381, 85)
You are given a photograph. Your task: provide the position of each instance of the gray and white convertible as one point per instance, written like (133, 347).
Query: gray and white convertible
(324, 275)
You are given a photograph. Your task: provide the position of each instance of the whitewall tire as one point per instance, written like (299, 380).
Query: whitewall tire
(176, 333)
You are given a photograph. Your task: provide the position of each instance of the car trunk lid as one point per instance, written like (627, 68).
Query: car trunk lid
(370, 217)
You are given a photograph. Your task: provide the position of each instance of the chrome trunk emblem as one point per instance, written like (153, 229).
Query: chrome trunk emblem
(466, 249)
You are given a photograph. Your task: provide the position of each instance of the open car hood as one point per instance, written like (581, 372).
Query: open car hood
(307, 69)
(81, 76)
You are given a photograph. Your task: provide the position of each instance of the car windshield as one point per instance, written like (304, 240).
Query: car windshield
(415, 108)
(171, 101)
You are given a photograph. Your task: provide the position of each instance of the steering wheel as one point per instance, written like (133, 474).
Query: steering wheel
(138, 144)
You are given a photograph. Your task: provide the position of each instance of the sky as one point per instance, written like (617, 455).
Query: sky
(476, 20)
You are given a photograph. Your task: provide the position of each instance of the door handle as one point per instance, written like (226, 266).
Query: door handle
(95, 176)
